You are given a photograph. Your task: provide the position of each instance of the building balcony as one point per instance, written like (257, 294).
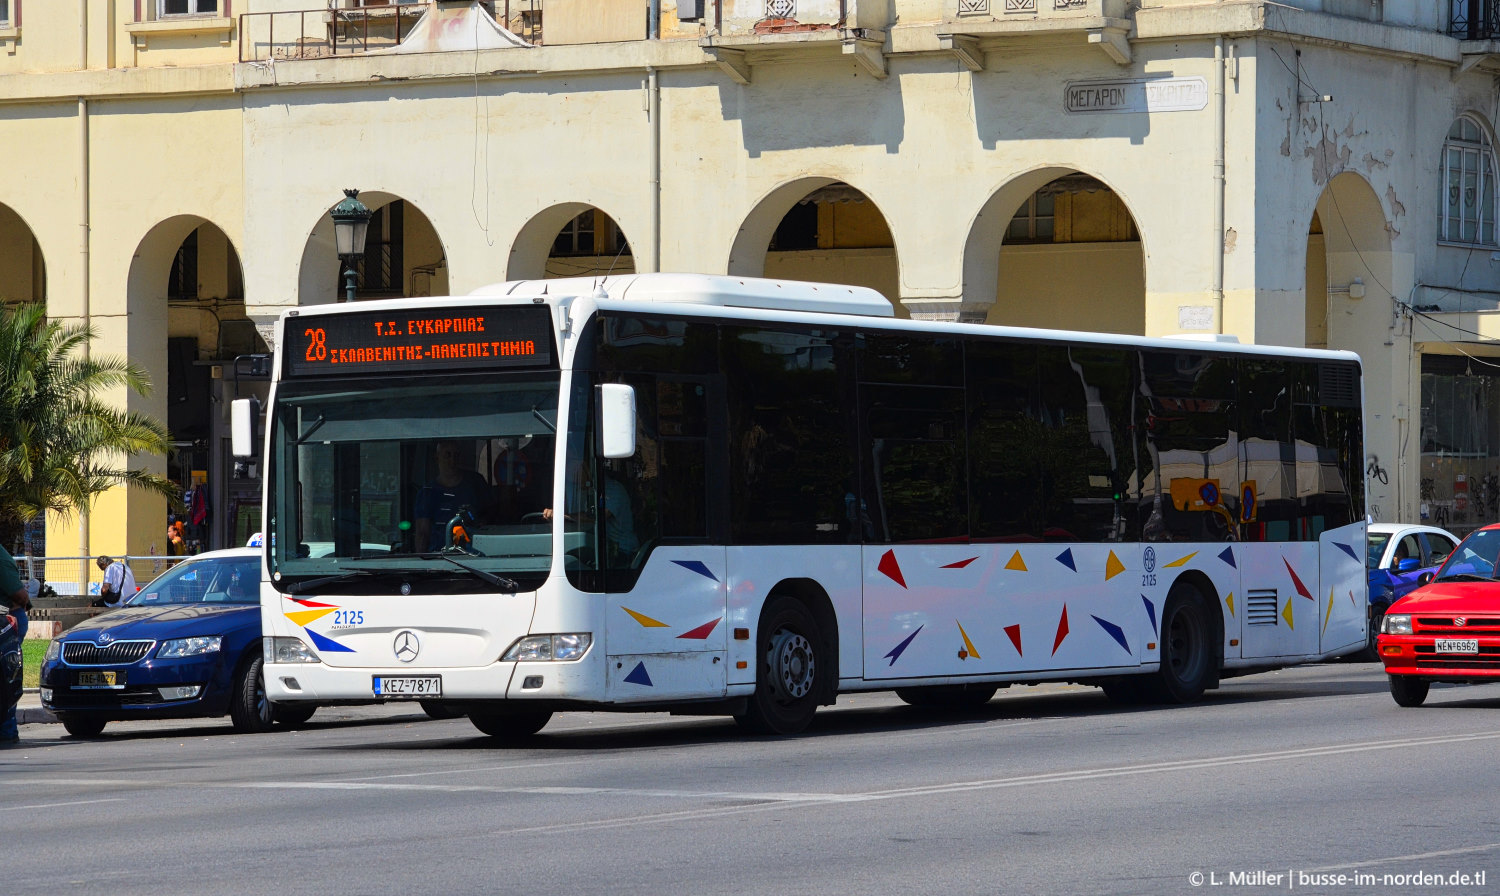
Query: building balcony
(1477, 20)
(972, 28)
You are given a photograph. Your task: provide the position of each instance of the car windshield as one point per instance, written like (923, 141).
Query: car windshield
(211, 580)
(1375, 546)
(1474, 558)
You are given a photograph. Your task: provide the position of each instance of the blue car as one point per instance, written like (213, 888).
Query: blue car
(187, 645)
(1397, 556)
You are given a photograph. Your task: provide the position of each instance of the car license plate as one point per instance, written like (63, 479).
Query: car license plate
(100, 679)
(1456, 645)
(408, 686)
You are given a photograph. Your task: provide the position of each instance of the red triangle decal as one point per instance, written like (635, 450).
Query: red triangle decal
(1301, 588)
(701, 632)
(1015, 637)
(1062, 630)
(891, 568)
(960, 564)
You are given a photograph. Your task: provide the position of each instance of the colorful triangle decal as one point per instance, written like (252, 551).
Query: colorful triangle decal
(639, 676)
(899, 649)
(1151, 613)
(698, 567)
(326, 644)
(700, 633)
(960, 564)
(303, 617)
(1230, 600)
(1016, 563)
(1112, 567)
(968, 650)
(1329, 615)
(1227, 555)
(643, 619)
(891, 568)
(1296, 582)
(1114, 632)
(1348, 550)
(1352, 601)
(311, 603)
(1062, 630)
(1014, 631)
(1066, 559)
(1286, 614)
(1181, 562)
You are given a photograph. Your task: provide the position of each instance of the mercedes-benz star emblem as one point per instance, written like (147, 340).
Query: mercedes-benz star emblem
(406, 645)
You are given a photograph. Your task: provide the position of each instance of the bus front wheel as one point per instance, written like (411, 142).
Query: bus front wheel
(510, 726)
(787, 683)
(1186, 653)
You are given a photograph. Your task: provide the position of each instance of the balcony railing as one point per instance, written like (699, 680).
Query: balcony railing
(1474, 19)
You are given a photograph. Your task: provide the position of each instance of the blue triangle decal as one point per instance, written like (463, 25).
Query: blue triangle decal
(697, 567)
(1114, 632)
(638, 676)
(1150, 611)
(1066, 559)
(1348, 550)
(899, 649)
(327, 645)
(1228, 557)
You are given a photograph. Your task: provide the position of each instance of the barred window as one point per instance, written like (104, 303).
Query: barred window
(1467, 213)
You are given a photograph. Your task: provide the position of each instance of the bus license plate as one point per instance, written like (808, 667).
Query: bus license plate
(100, 679)
(1456, 645)
(409, 686)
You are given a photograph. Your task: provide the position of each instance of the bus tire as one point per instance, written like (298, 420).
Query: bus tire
(512, 725)
(792, 654)
(1124, 691)
(1408, 690)
(955, 696)
(436, 709)
(1187, 655)
(249, 708)
(292, 715)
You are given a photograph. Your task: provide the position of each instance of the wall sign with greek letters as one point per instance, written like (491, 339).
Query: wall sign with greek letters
(1137, 95)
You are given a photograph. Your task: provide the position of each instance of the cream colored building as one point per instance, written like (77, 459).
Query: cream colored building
(1306, 172)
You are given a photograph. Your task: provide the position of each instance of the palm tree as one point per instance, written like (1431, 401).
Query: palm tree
(60, 444)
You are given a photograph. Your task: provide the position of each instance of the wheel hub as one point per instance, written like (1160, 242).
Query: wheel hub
(793, 665)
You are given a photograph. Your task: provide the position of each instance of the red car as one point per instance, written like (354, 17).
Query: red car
(1448, 629)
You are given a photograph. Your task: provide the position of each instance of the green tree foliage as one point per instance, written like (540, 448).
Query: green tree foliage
(60, 443)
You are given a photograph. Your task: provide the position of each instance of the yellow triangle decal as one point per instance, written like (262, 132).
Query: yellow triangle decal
(644, 620)
(1287, 615)
(1113, 567)
(968, 645)
(1329, 615)
(1230, 600)
(1016, 562)
(1182, 562)
(303, 617)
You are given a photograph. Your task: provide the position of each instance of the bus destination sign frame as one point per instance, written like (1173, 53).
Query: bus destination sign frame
(390, 342)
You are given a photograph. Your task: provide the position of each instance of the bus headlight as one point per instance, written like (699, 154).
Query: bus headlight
(549, 648)
(1396, 624)
(288, 650)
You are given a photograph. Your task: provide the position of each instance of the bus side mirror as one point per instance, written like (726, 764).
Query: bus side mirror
(616, 420)
(244, 414)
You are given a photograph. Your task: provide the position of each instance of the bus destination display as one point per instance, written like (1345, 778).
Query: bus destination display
(418, 342)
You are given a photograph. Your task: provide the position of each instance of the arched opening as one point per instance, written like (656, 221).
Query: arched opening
(572, 239)
(822, 230)
(189, 329)
(404, 256)
(1057, 247)
(23, 272)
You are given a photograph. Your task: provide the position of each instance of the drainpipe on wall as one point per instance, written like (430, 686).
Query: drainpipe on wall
(653, 112)
(84, 312)
(1219, 114)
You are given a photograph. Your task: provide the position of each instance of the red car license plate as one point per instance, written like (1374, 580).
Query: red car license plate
(1456, 645)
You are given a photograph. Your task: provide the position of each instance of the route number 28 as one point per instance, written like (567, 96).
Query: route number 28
(317, 344)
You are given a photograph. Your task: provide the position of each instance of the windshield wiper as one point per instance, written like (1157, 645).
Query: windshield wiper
(497, 580)
(311, 428)
(545, 422)
(1466, 577)
(299, 587)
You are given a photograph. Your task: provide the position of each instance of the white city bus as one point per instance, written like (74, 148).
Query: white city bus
(724, 495)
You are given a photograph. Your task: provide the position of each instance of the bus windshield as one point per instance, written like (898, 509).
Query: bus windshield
(447, 478)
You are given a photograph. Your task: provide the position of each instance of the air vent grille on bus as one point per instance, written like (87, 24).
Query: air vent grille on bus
(1260, 607)
(1338, 384)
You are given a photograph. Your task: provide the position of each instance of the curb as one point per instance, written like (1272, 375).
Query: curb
(30, 712)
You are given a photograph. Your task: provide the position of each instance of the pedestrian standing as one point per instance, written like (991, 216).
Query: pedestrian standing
(119, 583)
(13, 594)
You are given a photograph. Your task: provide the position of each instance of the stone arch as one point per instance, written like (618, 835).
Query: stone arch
(830, 231)
(570, 239)
(404, 255)
(23, 270)
(1046, 276)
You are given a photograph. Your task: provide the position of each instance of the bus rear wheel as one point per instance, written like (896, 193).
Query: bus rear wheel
(787, 684)
(510, 726)
(1186, 654)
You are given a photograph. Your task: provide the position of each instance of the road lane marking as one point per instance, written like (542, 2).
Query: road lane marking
(1412, 857)
(118, 799)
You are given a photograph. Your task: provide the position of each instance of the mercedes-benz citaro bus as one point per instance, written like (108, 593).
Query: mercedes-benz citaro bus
(710, 494)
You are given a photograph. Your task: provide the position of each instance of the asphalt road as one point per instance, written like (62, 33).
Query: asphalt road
(1269, 781)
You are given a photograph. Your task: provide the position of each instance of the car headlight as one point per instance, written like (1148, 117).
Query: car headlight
(288, 650)
(548, 648)
(180, 647)
(54, 650)
(1396, 624)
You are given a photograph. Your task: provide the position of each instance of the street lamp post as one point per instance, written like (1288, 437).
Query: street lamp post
(351, 221)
